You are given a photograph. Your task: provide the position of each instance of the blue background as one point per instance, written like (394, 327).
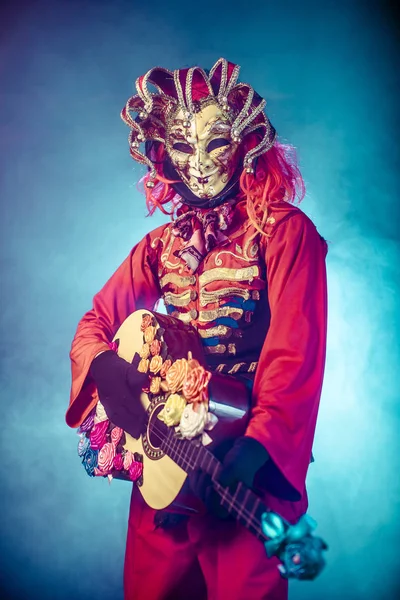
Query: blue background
(70, 212)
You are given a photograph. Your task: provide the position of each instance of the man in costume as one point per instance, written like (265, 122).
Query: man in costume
(246, 268)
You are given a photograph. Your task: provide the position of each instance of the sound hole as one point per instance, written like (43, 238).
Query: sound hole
(156, 430)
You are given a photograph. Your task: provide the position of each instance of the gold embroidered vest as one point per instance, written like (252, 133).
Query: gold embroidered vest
(225, 299)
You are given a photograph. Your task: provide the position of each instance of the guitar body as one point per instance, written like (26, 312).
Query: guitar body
(167, 458)
(163, 478)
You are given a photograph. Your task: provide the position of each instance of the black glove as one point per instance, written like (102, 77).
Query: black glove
(241, 463)
(119, 385)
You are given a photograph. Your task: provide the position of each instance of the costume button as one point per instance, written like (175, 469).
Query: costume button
(192, 279)
(193, 295)
(194, 314)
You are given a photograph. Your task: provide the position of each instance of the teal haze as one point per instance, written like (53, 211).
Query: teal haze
(71, 211)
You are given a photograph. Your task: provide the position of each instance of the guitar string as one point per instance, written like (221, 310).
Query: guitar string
(226, 496)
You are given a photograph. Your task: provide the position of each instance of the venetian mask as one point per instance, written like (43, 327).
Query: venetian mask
(201, 149)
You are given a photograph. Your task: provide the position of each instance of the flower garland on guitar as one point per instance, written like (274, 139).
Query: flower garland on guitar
(101, 447)
(184, 383)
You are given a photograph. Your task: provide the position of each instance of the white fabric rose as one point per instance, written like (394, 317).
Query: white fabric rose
(101, 414)
(192, 421)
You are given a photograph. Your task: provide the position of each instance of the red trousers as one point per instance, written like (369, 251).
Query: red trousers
(200, 558)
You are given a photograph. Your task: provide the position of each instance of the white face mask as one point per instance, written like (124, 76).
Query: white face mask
(201, 150)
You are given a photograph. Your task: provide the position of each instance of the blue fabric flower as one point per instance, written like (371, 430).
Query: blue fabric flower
(83, 444)
(299, 551)
(275, 528)
(303, 559)
(89, 461)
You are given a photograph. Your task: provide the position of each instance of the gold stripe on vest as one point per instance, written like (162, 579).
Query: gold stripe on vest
(206, 316)
(224, 368)
(182, 299)
(185, 317)
(210, 297)
(178, 280)
(219, 349)
(225, 274)
(221, 331)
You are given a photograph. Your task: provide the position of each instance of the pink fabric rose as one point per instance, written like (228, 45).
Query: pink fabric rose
(116, 435)
(135, 470)
(128, 460)
(106, 457)
(99, 472)
(118, 462)
(88, 422)
(98, 435)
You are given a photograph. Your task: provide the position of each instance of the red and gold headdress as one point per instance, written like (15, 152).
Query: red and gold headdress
(189, 90)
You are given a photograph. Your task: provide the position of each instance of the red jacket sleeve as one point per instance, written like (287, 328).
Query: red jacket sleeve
(289, 377)
(133, 286)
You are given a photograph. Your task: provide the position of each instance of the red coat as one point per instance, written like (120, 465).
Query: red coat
(259, 304)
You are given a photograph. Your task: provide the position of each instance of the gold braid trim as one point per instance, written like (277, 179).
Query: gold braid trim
(225, 274)
(178, 280)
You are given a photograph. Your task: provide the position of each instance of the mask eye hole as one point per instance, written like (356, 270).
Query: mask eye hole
(217, 143)
(181, 147)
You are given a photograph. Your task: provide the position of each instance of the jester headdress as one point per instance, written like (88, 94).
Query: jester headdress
(185, 92)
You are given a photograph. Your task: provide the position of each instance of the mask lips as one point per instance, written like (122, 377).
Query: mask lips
(230, 190)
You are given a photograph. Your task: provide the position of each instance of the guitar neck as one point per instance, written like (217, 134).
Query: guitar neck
(242, 504)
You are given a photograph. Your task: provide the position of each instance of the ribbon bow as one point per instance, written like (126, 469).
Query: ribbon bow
(202, 230)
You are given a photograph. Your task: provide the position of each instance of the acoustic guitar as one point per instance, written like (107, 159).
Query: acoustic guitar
(168, 457)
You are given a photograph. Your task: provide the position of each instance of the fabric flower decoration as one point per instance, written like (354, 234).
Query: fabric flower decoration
(135, 470)
(98, 435)
(116, 435)
(172, 412)
(83, 444)
(303, 559)
(193, 363)
(149, 334)
(88, 422)
(144, 352)
(89, 461)
(195, 384)
(155, 347)
(177, 374)
(99, 473)
(143, 365)
(193, 421)
(101, 414)
(128, 460)
(165, 368)
(155, 385)
(147, 320)
(106, 457)
(156, 364)
(118, 462)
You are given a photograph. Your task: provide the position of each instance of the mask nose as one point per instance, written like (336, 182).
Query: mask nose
(200, 162)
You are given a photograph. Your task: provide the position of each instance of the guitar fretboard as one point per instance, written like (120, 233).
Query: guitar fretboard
(242, 503)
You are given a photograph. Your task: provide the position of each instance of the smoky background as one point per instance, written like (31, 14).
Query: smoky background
(70, 211)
